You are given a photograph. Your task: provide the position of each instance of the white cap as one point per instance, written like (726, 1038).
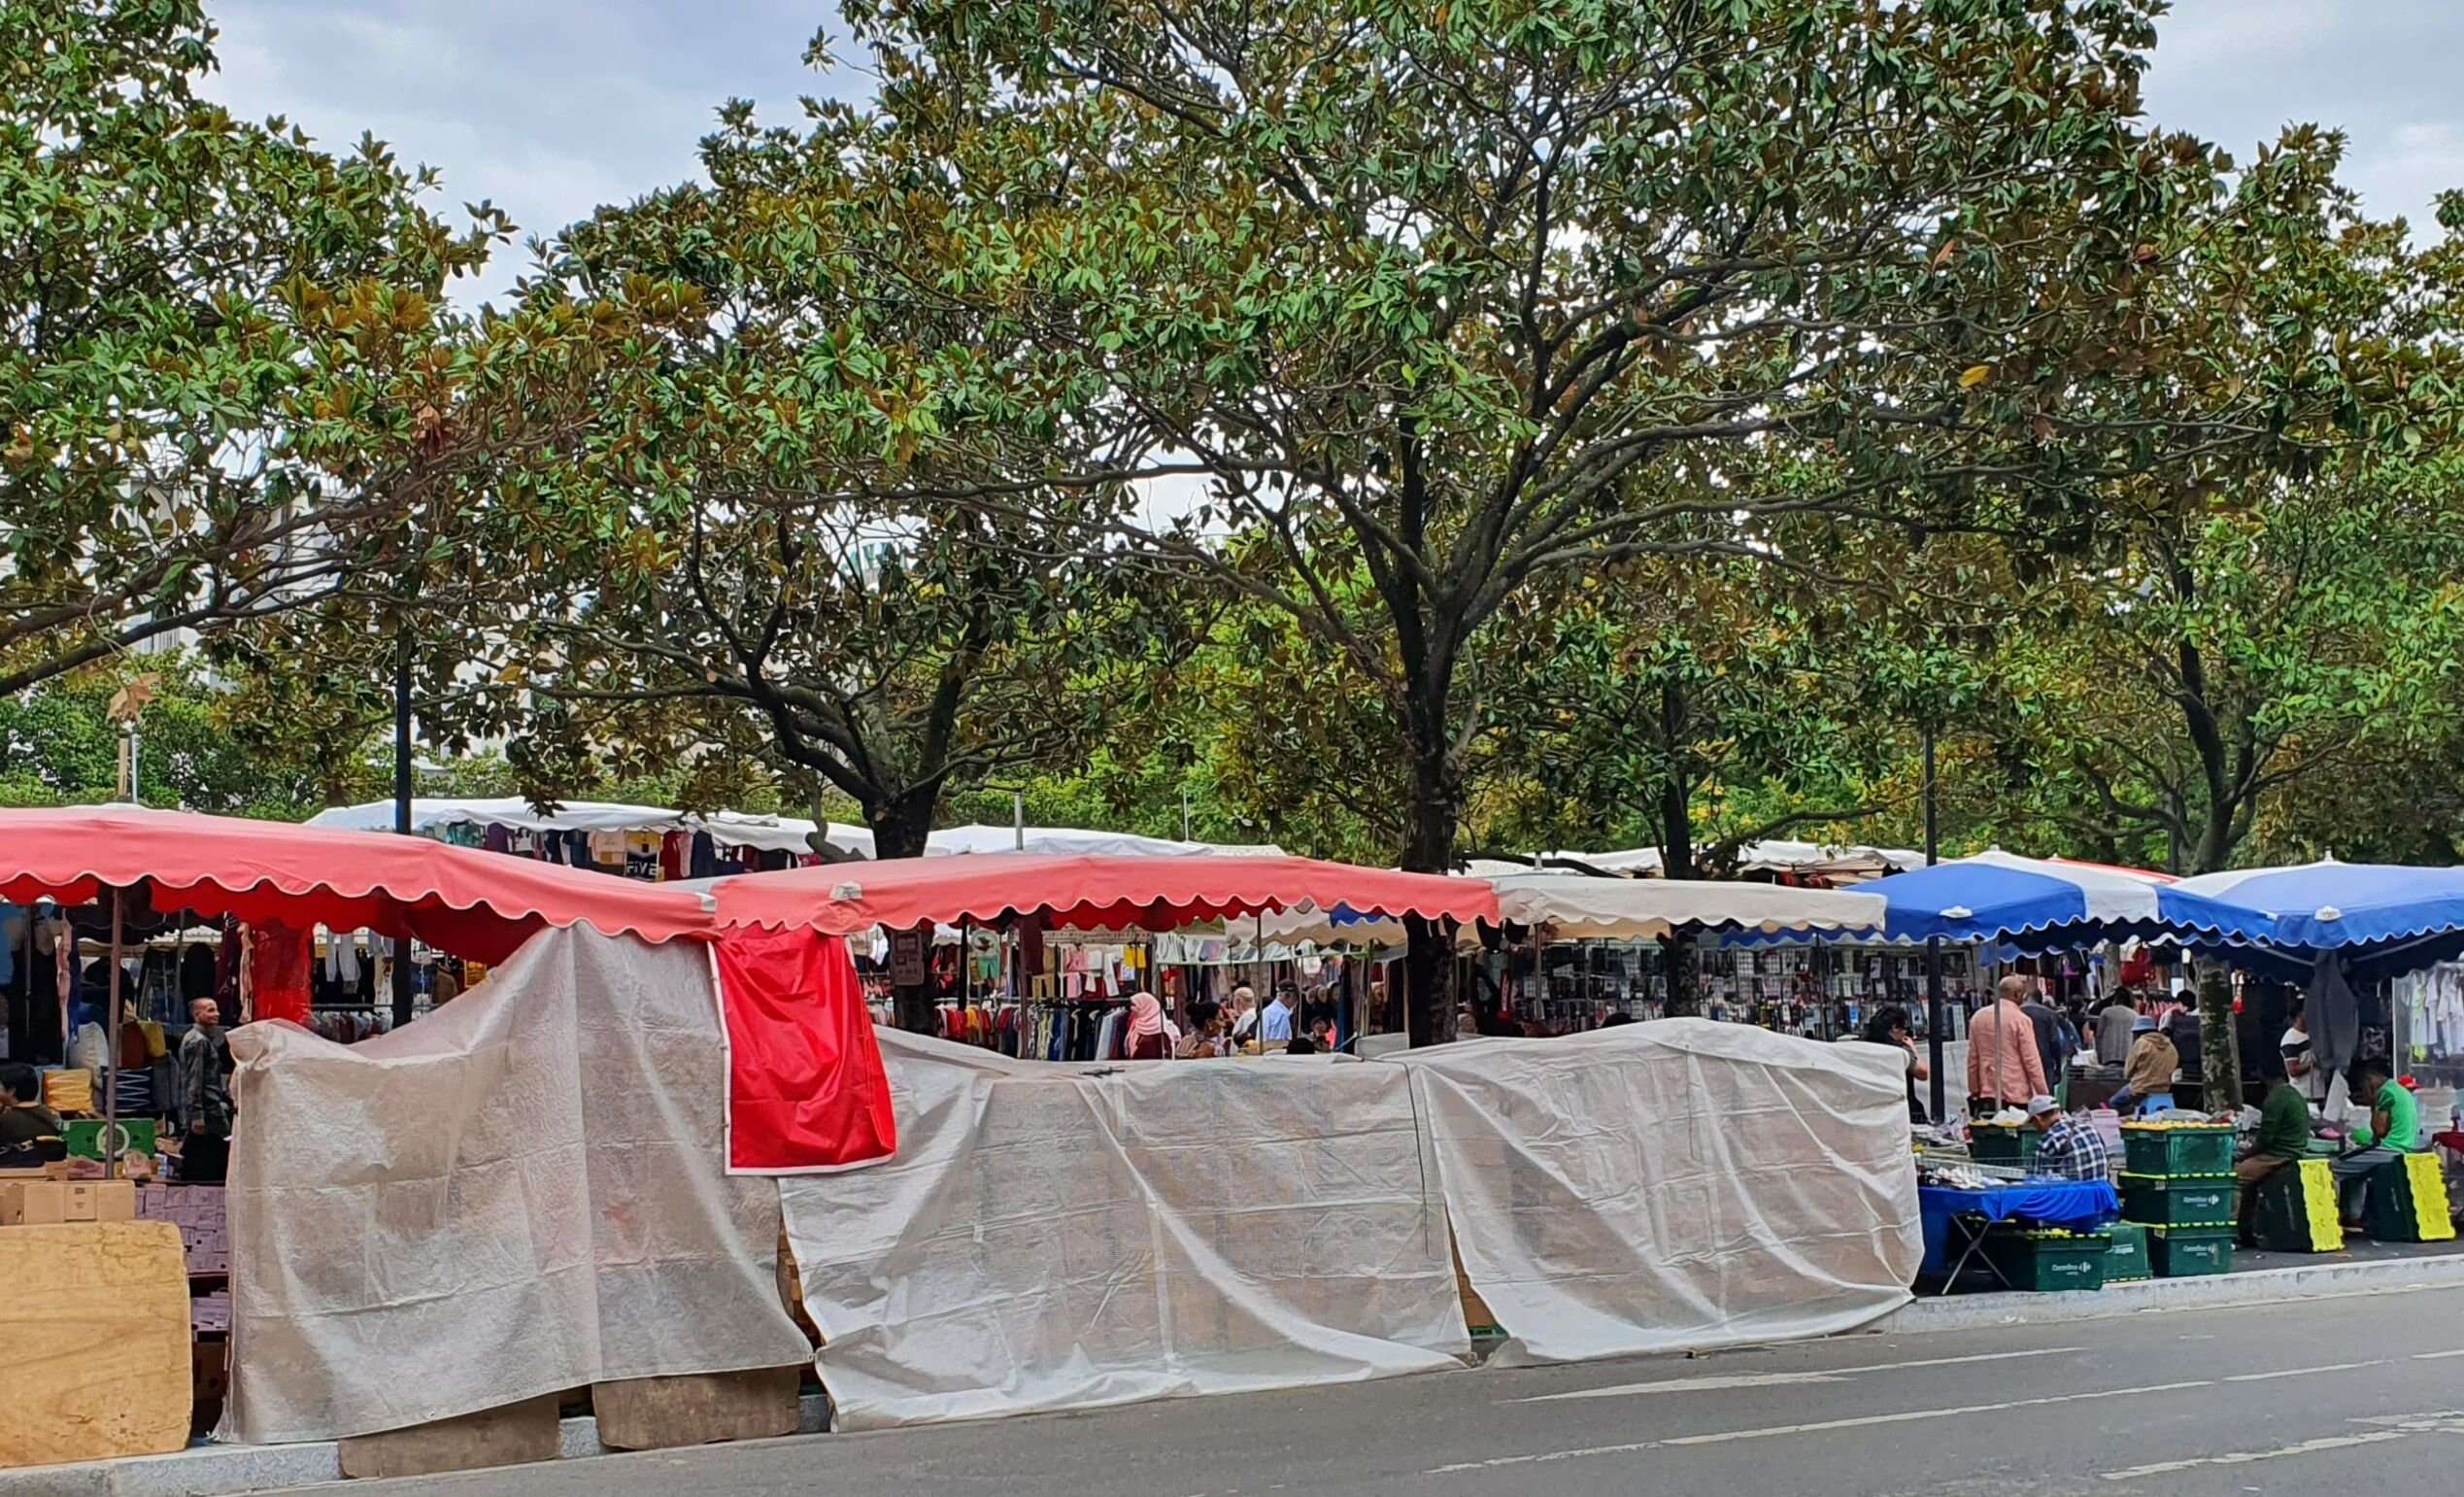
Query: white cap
(2039, 1105)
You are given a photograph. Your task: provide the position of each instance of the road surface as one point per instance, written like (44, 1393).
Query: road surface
(2359, 1393)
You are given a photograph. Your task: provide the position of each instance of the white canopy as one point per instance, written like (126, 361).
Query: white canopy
(729, 828)
(1581, 908)
(1846, 861)
(1072, 841)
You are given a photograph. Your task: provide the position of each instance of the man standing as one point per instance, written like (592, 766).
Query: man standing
(2053, 1047)
(2003, 1067)
(2070, 1149)
(1274, 1023)
(2113, 1029)
(1244, 1015)
(205, 1096)
(2301, 1061)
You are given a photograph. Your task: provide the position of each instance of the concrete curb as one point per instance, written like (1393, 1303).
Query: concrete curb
(215, 1471)
(2309, 1281)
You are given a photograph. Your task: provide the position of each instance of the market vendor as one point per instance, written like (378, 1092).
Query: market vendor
(2070, 1148)
(205, 1096)
(2284, 1137)
(2394, 1131)
(2003, 1067)
(23, 1119)
(2148, 1075)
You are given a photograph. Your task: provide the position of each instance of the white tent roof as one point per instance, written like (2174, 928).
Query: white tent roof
(729, 828)
(1072, 841)
(1841, 861)
(1577, 907)
(1581, 908)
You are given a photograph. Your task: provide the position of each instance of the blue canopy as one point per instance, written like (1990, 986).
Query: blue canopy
(2378, 919)
(2039, 903)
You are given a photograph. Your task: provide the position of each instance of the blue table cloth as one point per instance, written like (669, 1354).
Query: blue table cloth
(2082, 1206)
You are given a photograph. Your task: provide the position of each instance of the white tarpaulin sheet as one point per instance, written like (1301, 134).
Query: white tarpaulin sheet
(525, 1192)
(1051, 1237)
(1677, 1185)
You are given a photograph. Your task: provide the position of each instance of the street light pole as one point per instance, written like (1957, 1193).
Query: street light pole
(1936, 1021)
(402, 810)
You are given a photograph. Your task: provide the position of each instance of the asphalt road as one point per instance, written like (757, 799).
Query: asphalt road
(2363, 1393)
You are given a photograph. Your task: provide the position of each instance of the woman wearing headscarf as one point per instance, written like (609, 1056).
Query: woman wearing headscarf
(1147, 1039)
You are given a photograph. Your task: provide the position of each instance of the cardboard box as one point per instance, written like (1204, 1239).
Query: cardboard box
(52, 1202)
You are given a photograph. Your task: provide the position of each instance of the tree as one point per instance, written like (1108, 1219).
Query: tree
(2270, 611)
(223, 358)
(701, 582)
(1458, 296)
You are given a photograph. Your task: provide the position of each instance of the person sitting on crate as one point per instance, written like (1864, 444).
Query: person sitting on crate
(29, 1131)
(2148, 1075)
(2394, 1131)
(2070, 1150)
(2284, 1137)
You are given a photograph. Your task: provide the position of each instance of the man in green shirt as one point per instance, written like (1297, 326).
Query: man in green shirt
(2284, 1137)
(2394, 1131)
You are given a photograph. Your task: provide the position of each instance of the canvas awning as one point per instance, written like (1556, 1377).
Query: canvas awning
(728, 829)
(1581, 908)
(473, 903)
(1155, 893)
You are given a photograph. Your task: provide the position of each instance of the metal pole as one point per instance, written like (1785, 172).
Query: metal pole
(1018, 820)
(402, 813)
(1936, 1021)
(111, 1096)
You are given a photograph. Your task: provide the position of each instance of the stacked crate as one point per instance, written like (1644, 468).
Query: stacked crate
(2177, 1183)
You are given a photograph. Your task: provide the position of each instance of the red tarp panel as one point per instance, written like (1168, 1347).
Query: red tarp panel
(806, 1092)
(1150, 893)
(473, 903)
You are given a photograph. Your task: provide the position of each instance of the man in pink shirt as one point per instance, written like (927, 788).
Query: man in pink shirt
(2003, 1067)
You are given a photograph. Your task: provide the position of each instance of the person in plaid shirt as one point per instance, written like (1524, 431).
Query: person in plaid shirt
(2070, 1147)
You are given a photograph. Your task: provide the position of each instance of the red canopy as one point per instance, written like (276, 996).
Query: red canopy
(473, 903)
(1150, 893)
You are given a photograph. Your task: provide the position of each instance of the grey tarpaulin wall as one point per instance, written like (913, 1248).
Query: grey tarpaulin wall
(1052, 1236)
(522, 1193)
(1673, 1187)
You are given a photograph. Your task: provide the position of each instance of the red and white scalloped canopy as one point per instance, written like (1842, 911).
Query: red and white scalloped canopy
(1088, 892)
(473, 903)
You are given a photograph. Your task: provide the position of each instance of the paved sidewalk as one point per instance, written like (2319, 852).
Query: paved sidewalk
(212, 1471)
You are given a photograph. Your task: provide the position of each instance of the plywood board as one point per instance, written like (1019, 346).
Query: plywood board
(96, 1323)
(658, 1413)
(492, 1437)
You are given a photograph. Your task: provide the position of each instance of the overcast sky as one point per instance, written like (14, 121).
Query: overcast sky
(552, 107)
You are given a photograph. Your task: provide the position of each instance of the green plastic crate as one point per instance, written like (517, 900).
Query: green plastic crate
(2187, 1253)
(2048, 1262)
(2177, 1150)
(2012, 1147)
(2179, 1200)
(84, 1136)
(2127, 1259)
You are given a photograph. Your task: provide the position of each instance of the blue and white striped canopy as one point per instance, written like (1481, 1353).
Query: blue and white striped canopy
(2034, 903)
(2380, 919)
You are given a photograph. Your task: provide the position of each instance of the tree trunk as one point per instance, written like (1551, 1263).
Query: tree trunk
(1677, 851)
(1429, 1008)
(900, 825)
(2219, 1041)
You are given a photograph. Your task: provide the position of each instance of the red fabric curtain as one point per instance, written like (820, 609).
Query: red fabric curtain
(806, 1091)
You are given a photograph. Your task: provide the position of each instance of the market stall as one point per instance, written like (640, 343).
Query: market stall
(556, 1182)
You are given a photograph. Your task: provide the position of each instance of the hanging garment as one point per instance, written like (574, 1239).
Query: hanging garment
(278, 961)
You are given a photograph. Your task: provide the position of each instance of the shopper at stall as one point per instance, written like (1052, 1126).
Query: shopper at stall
(205, 1096)
(2181, 1027)
(1244, 1013)
(2113, 1029)
(2148, 1075)
(2070, 1150)
(1146, 1039)
(1888, 1028)
(1274, 1022)
(2394, 1131)
(1207, 1026)
(2003, 1067)
(2055, 1042)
